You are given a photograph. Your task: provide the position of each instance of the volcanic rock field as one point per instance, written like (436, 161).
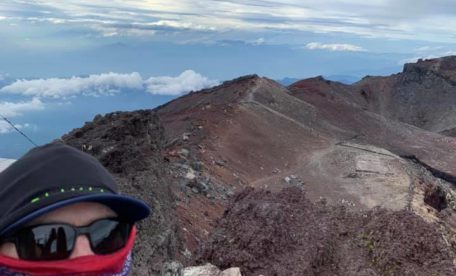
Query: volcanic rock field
(317, 178)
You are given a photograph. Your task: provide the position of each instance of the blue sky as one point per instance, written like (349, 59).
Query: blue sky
(77, 58)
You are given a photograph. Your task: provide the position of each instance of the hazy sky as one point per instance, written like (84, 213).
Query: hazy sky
(57, 54)
(219, 39)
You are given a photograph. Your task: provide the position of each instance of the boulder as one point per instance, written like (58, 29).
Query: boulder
(210, 270)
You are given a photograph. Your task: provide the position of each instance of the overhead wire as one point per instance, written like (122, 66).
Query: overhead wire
(18, 130)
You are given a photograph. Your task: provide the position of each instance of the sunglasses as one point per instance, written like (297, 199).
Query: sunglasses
(55, 241)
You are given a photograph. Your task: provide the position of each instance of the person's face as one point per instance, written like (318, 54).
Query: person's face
(78, 214)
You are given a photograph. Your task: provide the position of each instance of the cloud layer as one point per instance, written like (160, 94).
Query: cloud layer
(93, 85)
(187, 81)
(108, 84)
(103, 84)
(7, 128)
(334, 47)
(379, 18)
(11, 110)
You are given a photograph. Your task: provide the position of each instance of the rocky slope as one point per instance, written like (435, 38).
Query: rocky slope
(130, 145)
(317, 155)
(286, 234)
(423, 94)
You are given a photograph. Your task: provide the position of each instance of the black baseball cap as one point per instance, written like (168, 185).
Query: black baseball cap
(55, 175)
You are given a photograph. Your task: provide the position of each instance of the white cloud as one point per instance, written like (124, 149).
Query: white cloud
(176, 25)
(106, 84)
(259, 41)
(7, 128)
(5, 163)
(334, 47)
(425, 20)
(4, 76)
(428, 48)
(9, 109)
(428, 55)
(95, 85)
(185, 82)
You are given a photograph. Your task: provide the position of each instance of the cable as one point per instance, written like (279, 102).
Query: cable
(23, 134)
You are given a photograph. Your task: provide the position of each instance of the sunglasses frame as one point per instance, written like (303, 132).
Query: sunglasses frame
(78, 230)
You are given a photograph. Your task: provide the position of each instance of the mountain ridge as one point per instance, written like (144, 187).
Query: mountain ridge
(245, 148)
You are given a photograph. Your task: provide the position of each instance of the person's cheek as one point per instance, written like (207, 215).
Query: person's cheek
(8, 249)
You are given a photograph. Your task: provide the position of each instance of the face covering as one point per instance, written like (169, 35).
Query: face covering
(115, 264)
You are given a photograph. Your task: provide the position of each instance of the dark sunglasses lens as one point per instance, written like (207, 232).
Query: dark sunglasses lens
(108, 236)
(45, 242)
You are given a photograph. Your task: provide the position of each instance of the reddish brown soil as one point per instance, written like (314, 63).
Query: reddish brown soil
(196, 218)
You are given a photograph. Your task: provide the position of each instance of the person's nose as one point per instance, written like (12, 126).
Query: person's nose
(81, 247)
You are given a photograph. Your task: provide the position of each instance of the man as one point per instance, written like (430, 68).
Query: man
(61, 214)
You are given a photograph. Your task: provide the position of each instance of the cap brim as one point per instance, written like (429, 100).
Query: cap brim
(126, 207)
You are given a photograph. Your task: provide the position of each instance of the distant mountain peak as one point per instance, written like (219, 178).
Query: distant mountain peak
(443, 65)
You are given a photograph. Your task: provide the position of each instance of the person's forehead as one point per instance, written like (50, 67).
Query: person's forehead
(78, 214)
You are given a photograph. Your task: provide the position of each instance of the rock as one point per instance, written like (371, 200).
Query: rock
(183, 166)
(220, 163)
(197, 186)
(435, 197)
(210, 270)
(86, 147)
(172, 269)
(205, 270)
(183, 153)
(323, 200)
(293, 180)
(190, 174)
(97, 118)
(185, 136)
(171, 143)
(173, 153)
(203, 186)
(197, 166)
(187, 253)
(347, 202)
(352, 175)
(234, 271)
